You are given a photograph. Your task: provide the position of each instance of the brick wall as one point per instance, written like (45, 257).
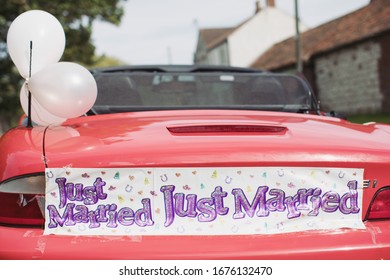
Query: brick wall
(347, 80)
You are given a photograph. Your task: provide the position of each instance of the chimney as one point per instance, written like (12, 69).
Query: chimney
(258, 6)
(271, 3)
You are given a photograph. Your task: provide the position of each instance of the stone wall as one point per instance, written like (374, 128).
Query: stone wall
(348, 81)
(384, 71)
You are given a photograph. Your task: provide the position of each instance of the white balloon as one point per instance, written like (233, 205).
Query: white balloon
(39, 115)
(47, 37)
(64, 89)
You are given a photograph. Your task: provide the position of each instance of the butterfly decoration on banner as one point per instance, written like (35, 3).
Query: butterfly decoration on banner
(59, 90)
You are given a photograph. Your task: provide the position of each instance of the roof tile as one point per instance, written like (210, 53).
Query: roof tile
(214, 36)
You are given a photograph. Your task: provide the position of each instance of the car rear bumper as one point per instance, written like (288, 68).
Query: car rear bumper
(371, 243)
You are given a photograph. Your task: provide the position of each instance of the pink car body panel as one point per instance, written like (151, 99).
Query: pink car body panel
(143, 140)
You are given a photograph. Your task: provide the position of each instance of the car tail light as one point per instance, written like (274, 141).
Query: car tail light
(380, 205)
(226, 128)
(22, 201)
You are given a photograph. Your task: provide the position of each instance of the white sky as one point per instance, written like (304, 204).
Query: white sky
(164, 31)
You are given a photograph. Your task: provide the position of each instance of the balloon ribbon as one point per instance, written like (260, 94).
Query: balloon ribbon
(29, 122)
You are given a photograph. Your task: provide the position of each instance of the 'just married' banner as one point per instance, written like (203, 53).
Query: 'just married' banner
(201, 201)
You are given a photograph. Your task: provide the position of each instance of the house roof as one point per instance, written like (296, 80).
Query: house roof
(212, 37)
(215, 36)
(364, 23)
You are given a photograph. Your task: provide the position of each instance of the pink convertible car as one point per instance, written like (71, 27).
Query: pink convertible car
(191, 162)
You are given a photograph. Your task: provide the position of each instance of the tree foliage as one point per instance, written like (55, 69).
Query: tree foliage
(76, 18)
